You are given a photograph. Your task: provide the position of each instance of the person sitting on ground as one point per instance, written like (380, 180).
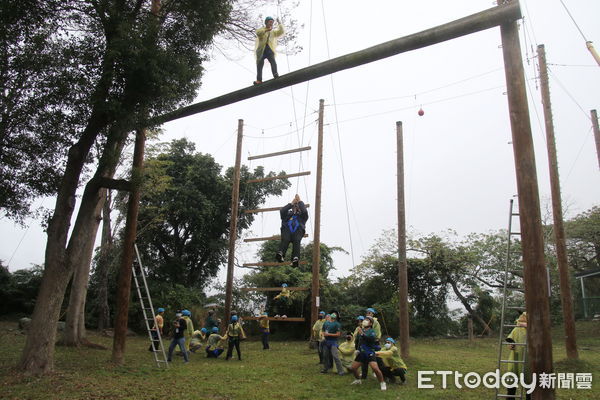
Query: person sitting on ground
(263, 326)
(392, 364)
(234, 334)
(332, 330)
(157, 329)
(347, 352)
(215, 344)
(266, 47)
(366, 355)
(179, 327)
(197, 340)
(293, 225)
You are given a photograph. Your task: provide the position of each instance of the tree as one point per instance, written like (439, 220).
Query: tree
(137, 64)
(185, 212)
(583, 240)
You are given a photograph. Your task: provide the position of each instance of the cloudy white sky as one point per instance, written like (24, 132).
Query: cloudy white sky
(459, 167)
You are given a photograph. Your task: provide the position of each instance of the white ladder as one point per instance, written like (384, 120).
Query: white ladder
(148, 309)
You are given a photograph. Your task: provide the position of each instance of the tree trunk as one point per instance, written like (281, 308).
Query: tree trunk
(103, 266)
(467, 306)
(81, 244)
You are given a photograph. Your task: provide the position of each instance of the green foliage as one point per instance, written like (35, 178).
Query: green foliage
(583, 240)
(18, 290)
(185, 213)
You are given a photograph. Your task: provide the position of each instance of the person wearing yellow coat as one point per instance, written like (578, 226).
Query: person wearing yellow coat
(187, 316)
(347, 352)
(518, 340)
(234, 334)
(392, 364)
(265, 47)
(215, 344)
(317, 335)
(198, 339)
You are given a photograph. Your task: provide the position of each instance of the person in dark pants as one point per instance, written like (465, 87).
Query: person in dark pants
(265, 48)
(179, 327)
(234, 334)
(293, 225)
(264, 330)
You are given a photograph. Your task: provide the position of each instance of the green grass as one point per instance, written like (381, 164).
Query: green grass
(288, 371)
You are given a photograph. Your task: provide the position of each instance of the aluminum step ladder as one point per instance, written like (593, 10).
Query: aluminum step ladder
(502, 343)
(147, 309)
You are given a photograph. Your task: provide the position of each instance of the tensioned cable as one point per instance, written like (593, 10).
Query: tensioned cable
(573, 19)
(339, 138)
(579, 154)
(568, 93)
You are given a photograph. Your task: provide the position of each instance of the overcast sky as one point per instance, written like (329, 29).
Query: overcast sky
(459, 167)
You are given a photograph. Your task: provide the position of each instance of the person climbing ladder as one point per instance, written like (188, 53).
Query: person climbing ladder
(293, 220)
(265, 47)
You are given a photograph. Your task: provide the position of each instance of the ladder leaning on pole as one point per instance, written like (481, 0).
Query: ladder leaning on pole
(502, 343)
(147, 308)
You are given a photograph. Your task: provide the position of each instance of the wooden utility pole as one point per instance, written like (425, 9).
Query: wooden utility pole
(235, 201)
(124, 282)
(535, 279)
(557, 214)
(316, 255)
(402, 265)
(596, 134)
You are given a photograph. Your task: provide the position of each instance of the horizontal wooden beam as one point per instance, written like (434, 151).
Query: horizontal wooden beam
(272, 289)
(272, 178)
(270, 264)
(287, 319)
(279, 153)
(262, 239)
(495, 16)
(259, 210)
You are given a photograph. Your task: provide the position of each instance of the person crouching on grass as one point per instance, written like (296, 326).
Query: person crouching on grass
(347, 352)
(367, 344)
(215, 344)
(392, 364)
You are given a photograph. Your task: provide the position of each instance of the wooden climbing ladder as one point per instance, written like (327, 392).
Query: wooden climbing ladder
(314, 289)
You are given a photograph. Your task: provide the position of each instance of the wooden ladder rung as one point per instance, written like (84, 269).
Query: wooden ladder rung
(288, 319)
(271, 264)
(272, 178)
(259, 210)
(279, 153)
(274, 237)
(272, 289)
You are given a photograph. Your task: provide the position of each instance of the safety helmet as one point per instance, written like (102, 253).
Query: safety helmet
(360, 317)
(390, 340)
(215, 329)
(204, 330)
(371, 310)
(234, 318)
(186, 313)
(160, 309)
(284, 285)
(268, 19)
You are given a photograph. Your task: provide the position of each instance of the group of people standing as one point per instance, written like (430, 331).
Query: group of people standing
(360, 350)
(190, 340)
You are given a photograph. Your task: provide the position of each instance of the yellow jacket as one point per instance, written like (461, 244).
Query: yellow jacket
(316, 329)
(347, 350)
(264, 37)
(391, 358)
(235, 330)
(519, 335)
(377, 328)
(215, 341)
(188, 331)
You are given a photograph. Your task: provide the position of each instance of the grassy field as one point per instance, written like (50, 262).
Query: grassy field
(288, 371)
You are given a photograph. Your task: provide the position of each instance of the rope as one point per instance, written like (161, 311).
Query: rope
(573, 19)
(339, 138)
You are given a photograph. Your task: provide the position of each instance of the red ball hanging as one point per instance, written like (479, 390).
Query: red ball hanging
(421, 112)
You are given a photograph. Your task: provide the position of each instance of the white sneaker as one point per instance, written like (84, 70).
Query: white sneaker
(356, 382)
(383, 386)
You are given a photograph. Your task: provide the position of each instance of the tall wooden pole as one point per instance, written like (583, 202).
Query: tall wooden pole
(124, 282)
(402, 266)
(559, 229)
(534, 277)
(596, 133)
(316, 256)
(235, 201)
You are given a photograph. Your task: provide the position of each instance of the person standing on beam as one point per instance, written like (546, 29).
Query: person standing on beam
(265, 47)
(293, 221)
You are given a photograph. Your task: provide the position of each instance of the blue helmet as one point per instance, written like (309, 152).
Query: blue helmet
(371, 310)
(360, 317)
(284, 285)
(186, 313)
(204, 330)
(234, 318)
(268, 19)
(215, 329)
(160, 309)
(321, 312)
(390, 340)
